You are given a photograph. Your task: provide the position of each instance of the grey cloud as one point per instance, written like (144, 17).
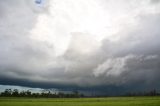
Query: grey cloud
(155, 1)
(19, 53)
(133, 58)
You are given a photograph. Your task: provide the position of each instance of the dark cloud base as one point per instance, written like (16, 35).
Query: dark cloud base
(110, 90)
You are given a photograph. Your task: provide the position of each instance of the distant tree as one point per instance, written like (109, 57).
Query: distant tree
(35, 95)
(45, 93)
(76, 93)
(15, 93)
(28, 93)
(61, 95)
(7, 92)
(22, 94)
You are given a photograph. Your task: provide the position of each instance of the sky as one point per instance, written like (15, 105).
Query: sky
(82, 44)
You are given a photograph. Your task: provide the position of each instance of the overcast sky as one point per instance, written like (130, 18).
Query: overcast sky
(82, 43)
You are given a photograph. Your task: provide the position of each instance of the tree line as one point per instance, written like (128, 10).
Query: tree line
(46, 94)
(73, 94)
(149, 93)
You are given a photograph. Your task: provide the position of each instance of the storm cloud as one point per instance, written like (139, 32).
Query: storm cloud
(82, 43)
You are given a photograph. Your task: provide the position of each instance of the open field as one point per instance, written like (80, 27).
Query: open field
(110, 101)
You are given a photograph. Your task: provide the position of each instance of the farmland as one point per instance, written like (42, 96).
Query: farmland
(108, 101)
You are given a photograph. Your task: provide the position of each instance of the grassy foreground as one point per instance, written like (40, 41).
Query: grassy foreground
(111, 101)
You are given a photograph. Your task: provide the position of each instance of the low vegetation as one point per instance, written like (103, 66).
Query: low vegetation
(110, 101)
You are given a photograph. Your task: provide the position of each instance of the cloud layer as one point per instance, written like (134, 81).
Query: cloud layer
(80, 43)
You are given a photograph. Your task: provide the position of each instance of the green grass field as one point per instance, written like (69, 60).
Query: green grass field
(110, 101)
